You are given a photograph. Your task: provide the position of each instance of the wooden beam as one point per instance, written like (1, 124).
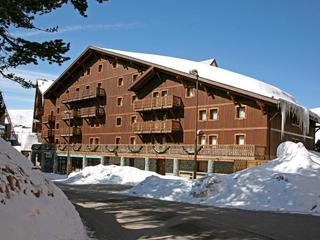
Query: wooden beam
(262, 107)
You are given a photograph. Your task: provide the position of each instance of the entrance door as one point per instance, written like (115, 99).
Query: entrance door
(161, 166)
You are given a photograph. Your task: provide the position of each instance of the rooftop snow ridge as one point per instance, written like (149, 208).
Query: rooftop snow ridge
(208, 72)
(44, 84)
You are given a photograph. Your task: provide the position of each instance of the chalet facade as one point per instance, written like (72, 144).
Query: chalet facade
(139, 109)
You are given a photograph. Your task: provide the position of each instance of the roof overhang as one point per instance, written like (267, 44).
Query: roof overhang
(153, 66)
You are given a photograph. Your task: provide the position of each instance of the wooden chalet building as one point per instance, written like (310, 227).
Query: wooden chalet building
(136, 109)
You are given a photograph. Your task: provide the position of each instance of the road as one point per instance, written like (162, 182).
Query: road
(113, 216)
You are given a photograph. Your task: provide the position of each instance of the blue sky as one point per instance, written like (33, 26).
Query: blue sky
(277, 41)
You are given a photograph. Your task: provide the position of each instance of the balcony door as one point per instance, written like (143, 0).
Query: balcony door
(161, 166)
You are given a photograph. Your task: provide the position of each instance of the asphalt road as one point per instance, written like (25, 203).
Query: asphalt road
(113, 216)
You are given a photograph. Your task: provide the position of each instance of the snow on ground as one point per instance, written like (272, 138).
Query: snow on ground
(290, 183)
(31, 207)
(110, 174)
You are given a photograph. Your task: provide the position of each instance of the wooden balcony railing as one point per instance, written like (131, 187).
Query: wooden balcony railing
(165, 102)
(83, 95)
(183, 151)
(166, 126)
(48, 119)
(74, 131)
(48, 133)
(91, 112)
(71, 114)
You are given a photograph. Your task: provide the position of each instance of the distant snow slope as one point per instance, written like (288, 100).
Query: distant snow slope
(110, 174)
(290, 183)
(31, 207)
(22, 123)
(21, 117)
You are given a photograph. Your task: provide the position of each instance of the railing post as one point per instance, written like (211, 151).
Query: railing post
(122, 161)
(84, 162)
(210, 166)
(146, 164)
(176, 167)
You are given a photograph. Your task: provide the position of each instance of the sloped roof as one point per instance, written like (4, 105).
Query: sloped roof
(43, 85)
(214, 74)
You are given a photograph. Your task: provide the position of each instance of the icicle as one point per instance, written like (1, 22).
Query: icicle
(302, 114)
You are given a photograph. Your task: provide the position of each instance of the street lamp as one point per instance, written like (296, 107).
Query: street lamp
(194, 72)
(68, 143)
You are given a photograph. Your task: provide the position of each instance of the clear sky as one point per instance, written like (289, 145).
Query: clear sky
(277, 41)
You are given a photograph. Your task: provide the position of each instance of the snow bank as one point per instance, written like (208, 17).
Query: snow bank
(290, 183)
(31, 207)
(110, 174)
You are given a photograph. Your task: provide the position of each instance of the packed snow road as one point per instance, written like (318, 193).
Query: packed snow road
(115, 216)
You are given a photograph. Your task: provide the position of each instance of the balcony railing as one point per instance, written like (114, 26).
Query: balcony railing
(91, 112)
(49, 133)
(166, 126)
(48, 119)
(70, 115)
(74, 131)
(183, 151)
(165, 102)
(83, 95)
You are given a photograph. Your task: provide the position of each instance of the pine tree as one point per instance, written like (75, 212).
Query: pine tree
(17, 51)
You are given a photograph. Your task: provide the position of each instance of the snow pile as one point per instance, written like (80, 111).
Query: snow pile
(290, 183)
(110, 174)
(31, 207)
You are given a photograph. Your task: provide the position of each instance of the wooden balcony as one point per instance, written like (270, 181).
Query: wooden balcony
(166, 126)
(91, 112)
(72, 114)
(48, 119)
(74, 131)
(83, 95)
(48, 133)
(156, 103)
(223, 152)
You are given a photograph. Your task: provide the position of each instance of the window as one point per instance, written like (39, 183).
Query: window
(164, 93)
(132, 140)
(100, 68)
(67, 91)
(134, 77)
(241, 112)
(118, 121)
(88, 71)
(213, 140)
(96, 141)
(58, 110)
(99, 85)
(77, 89)
(133, 119)
(202, 140)
(57, 126)
(190, 92)
(87, 87)
(133, 98)
(156, 94)
(120, 82)
(118, 140)
(214, 114)
(240, 139)
(202, 115)
(91, 140)
(119, 101)
(114, 65)
(57, 141)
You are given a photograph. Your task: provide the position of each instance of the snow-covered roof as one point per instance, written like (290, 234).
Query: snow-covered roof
(210, 62)
(316, 110)
(44, 84)
(214, 74)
